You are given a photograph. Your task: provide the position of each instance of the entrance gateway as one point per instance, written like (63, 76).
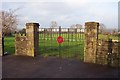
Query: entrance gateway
(80, 44)
(44, 41)
(63, 42)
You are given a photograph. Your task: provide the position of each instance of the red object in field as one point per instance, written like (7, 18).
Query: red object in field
(60, 39)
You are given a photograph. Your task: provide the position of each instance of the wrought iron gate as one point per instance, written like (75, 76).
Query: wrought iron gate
(72, 47)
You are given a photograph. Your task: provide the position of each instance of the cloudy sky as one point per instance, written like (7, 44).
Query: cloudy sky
(65, 12)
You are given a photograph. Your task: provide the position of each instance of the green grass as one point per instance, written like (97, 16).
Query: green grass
(72, 47)
(9, 45)
(49, 47)
(106, 37)
(69, 48)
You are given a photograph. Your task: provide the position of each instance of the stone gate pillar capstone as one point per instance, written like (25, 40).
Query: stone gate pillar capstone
(90, 42)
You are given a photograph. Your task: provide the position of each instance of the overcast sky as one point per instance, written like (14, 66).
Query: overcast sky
(65, 12)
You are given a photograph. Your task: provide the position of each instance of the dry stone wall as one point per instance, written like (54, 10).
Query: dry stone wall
(28, 45)
(104, 52)
(108, 53)
(95, 51)
(115, 54)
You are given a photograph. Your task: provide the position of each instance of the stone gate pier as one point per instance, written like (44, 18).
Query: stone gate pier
(90, 42)
(27, 45)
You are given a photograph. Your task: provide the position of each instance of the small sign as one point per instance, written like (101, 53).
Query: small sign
(60, 39)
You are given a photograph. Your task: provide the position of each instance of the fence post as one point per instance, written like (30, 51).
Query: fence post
(1, 52)
(109, 52)
(90, 42)
(60, 44)
(1, 44)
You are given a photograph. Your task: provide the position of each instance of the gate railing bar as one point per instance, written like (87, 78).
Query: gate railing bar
(44, 39)
(109, 51)
(76, 41)
(60, 44)
(80, 34)
(68, 41)
(51, 38)
(3, 50)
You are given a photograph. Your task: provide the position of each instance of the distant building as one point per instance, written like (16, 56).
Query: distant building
(62, 30)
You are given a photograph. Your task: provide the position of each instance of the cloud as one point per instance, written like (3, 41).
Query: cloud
(66, 12)
(76, 3)
(60, 1)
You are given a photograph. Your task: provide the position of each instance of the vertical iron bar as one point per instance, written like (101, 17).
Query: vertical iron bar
(80, 35)
(39, 41)
(109, 51)
(60, 67)
(76, 42)
(47, 34)
(60, 44)
(51, 39)
(53, 34)
(2, 45)
(68, 42)
(75, 34)
(72, 35)
(44, 39)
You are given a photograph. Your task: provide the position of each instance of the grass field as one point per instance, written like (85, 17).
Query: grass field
(48, 46)
(9, 45)
(105, 37)
(72, 47)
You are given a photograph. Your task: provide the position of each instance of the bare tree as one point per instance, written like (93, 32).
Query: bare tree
(73, 26)
(54, 24)
(114, 31)
(76, 26)
(102, 28)
(9, 21)
(22, 31)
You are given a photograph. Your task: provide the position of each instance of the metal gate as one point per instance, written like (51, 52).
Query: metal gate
(72, 46)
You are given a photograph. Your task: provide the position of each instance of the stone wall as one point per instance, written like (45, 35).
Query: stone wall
(102, 54)
(100, 51)
(28, 45)
(115, 54)
(108, 53)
